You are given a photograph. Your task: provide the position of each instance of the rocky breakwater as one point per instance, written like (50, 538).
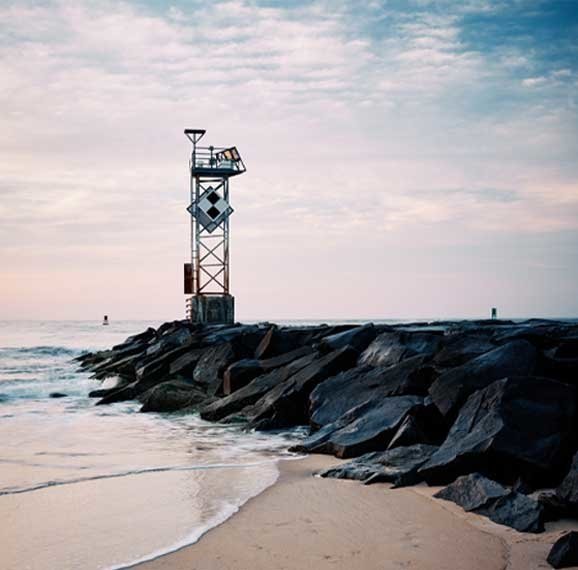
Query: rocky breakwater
(488, 408)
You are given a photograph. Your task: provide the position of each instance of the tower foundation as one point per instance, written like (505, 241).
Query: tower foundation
(212, 309)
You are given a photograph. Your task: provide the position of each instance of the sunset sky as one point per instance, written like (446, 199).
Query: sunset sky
(405, 158)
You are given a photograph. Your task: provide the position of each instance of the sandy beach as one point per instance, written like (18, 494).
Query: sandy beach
(305, 521)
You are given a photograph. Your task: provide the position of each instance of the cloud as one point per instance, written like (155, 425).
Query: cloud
(405, 121)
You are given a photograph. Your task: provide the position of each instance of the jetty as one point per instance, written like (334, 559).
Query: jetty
(488, 408)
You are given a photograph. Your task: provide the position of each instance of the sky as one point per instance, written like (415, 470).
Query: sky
(405, 158)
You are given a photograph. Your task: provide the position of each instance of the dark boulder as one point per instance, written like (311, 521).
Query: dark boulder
(564, 553)
(567, 491)
(268, 364)
(398, 466)
(515, 426)
(58, 395)
(515, 510)
(553, 507)
(460, 347)
(568, 348)
(128, 392)
(522, 486)
(156, 369)
(117, 366)
(432, 423)
(240, 373)
(171, 396)
(392, 347)
(451, 389)
(233, 404)
(357, 338)
(336, 395)
(211, 366)
(101, 392)
(286, 404)
(185, 363)
(88, 360)
(472, 491)
(138, 339)
(278, 340)
(543, 334)
(173, 336)
(369, 427)
(410, 432)
(563, 369)
(386, 350)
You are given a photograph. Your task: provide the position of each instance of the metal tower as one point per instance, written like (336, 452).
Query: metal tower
(207, 275)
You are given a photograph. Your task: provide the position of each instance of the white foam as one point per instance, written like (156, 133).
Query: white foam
(226, 512)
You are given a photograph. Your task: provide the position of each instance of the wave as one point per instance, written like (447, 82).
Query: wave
(131, 473)
(41, 350)
(227, 511)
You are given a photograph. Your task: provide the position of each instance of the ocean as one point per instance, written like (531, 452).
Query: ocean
(102, 487)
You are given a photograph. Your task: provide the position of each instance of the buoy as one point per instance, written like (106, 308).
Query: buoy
(105, 321)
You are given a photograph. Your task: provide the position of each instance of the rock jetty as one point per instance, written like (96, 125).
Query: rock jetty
(488, 408)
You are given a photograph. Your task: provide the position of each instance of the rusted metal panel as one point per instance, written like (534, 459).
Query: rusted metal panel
(188, 275)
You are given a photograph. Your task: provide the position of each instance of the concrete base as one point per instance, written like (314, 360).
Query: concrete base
(212, 309)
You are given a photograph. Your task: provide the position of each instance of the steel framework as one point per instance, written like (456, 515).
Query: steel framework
(210, 170)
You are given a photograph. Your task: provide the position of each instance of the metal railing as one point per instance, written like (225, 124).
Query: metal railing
(211, 158)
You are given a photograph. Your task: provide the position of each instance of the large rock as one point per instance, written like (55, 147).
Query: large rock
(472, 491)
(103, 361)
(516, 511)
(138, 339)
(169, 336)
(410, 432)
(115, 365)
(563, 369)
(553, 507)
(155, 369)
(128, 392)
(229, 406)
(336, 395)
(567, 491)
(515, 426)
(242, 372)
(488, 498)
(185, 363)
(564, 553)
(369, 427)
(211, 366)
(286, 405)
(357, 338)
(542, 334)
(171, 396)
(394, 346)
(460, 347)
(398, 466)
(451, 389)
(249, 335)
(568, 348)
(278, 340)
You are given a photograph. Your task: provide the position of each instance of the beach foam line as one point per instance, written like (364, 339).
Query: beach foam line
(45, 350)
(228, 510)
(131, 473)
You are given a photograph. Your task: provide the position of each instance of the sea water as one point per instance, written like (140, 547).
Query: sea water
(92, 487)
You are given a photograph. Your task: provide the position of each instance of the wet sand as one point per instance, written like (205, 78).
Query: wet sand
(308, 522)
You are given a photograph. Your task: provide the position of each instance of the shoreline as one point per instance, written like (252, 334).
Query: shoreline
(450, 403)
(303, 520)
